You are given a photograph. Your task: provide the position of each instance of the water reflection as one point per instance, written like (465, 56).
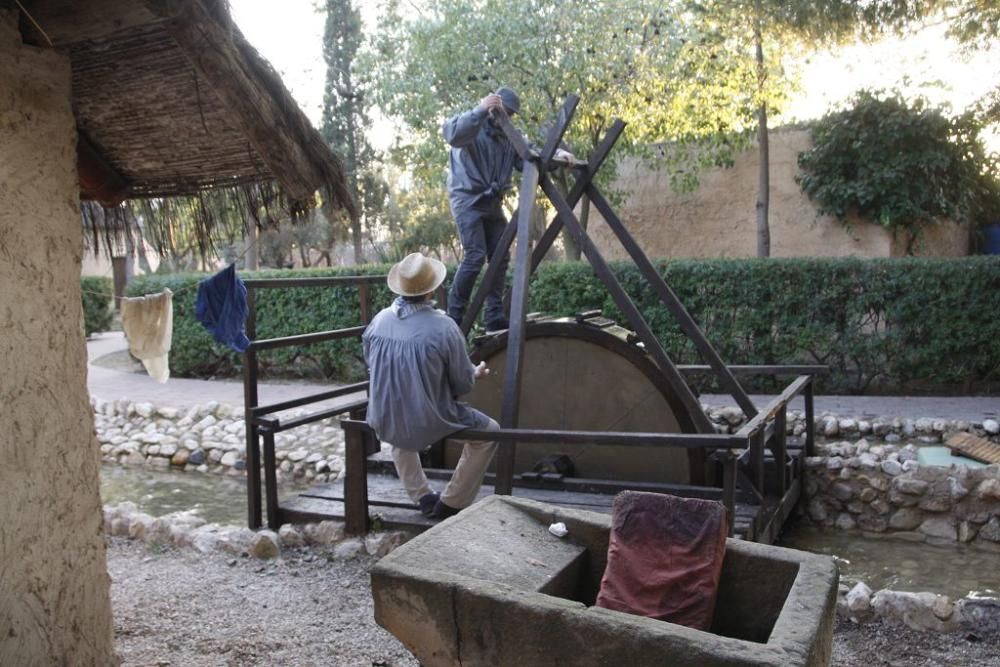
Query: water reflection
(215, 498)
(955, 570)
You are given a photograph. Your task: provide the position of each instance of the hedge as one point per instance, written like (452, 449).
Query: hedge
(882, 325)
(96, 294)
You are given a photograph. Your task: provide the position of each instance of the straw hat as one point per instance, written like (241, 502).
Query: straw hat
(416, 275)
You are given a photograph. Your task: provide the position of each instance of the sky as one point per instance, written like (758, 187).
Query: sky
(290, 35)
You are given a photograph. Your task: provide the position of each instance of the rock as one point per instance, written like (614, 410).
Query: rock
(290, 537)
(204, 422)
(864, 427)
(144, 410)
(205, 540)
(168, 450)
(168, 413)
(988, 489)
(906, 519)
(229, 459)
(842, 491)
(939, 426)
(920, 611)
(938, 526)
(881, 507)
(817, 510)
(991, 426)
(868, 494)
(139, 527)
(892, 437)
(834, 463)
(197, 457)
(845, 521)
(831, 427)
(924, 425)
(324, 532)
(297, 455)
(349, 548)
(847, 425)
(381, 544)
(872, 523)
(180, 458)
(909, 486)
(991, 531)
(855, 507)
(967, 531)
(877, 482)
(979, 614)
(265, 545)
(956, 489)
(859, 603)
(868, 461)
(892, 468)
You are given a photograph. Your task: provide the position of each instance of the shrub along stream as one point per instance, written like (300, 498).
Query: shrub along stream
(882, 325)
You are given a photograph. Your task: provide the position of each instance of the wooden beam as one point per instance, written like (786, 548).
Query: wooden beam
(100, 181)
(673, 304)
(515, 337)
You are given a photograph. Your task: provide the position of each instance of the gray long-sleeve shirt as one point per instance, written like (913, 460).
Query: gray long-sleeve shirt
(481, 162)
(418, 365)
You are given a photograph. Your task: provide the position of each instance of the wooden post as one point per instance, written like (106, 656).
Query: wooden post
(810, 416)
(364, 298)
(515, 336)
(757, 460)
(355, 483)
(254, 515)
(780, 449)
(729, 489)
(271, 482)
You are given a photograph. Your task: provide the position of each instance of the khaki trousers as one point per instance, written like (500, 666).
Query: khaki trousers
(465, 482)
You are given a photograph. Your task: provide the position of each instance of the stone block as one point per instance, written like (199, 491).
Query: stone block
(906, 519)
(492, 586)
(938, 526)
(920, 611)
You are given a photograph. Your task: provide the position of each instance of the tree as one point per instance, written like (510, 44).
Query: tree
(639, 60)
(345, 108)
(773, 30)
(901, 165)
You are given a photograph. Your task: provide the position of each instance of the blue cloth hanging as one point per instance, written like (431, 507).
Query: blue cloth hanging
(222, 308)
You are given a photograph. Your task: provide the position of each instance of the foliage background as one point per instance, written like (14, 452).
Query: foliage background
(883, 326)
(96, 294)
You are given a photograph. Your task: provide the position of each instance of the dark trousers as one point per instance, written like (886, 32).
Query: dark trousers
(480, 229)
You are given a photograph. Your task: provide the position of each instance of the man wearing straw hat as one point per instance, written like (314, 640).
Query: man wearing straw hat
(418, 366)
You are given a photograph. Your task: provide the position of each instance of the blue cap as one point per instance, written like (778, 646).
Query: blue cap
(510, 99)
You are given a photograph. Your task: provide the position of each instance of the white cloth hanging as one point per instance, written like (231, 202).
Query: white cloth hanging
(148, 322)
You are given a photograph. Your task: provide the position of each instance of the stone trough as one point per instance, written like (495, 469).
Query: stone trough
(492, 586)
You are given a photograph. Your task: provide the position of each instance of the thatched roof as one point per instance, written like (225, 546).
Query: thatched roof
(170, 99)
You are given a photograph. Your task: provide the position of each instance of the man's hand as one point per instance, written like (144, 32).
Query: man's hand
(561, 154)
(481, 370)
(491, 102)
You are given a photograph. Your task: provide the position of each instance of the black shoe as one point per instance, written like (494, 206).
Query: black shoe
(427, 503)
(442, 511)
(497, 324)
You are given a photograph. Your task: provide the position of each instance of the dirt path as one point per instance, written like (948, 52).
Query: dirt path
(184, 609)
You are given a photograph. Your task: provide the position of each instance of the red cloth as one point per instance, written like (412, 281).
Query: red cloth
(665, 558)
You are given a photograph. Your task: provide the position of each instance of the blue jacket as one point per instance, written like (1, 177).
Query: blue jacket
(482, 160)
(418, 364)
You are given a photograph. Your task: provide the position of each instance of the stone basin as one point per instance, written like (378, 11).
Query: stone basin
(491, 586)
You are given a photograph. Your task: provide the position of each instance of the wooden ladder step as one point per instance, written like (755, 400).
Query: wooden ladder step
(973, 447)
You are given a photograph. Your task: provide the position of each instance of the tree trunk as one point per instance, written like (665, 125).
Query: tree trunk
(359, 251)
(764, 173)
(251, 258)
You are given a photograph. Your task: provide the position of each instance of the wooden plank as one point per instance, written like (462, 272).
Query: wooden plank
(777, 404)
(673, 304)
(626, 305)
(335, 411)
(808, 398)
(515, 336)
(250, 398)
(311, 398)
(780, 449)
(271, 482)
(767, 369)
(307, 339)
(365, 303)
(974, 447)
(328, 281)
(558, 130)
(66, 22)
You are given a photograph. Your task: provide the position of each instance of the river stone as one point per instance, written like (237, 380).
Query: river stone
(349, 549)
(168, 449)
(290, 536)
(877, 482)
(881, 507)
(967, 531)
(204, 423)
(924, 425)
(180, 458)
(842, 491)
(864, 427)
(979, 614)
(847, 425)
(991, 426)
(381, 544)
(872, 523)
(938, 526)
(297, 455)
(892, 468)
(859, 602)
(868, 494)
(892, 437)
(817, 510)
(844, 521)
(909, 485)
(991, 531)
(264, 545)
(830, 427)
(229, 459)
(197, 457)
(205, 540)
(920, 611)
(906, 519)
(988, 489)
(144, 410)
(834, 463)
(324, 532)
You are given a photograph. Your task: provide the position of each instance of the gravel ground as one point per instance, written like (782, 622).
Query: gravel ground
(179, 608)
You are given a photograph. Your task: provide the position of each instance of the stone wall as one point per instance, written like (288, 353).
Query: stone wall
(718, 219)
(54, 584)
(882, 489)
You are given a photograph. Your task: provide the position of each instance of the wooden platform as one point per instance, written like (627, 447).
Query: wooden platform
(973, 447)
(391, 507)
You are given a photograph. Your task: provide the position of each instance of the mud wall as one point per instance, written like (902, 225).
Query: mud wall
(719, 218)
(54, 588)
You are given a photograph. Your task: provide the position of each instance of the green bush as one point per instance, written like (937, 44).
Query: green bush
(883, 325)
(97, 295)
(902, 165)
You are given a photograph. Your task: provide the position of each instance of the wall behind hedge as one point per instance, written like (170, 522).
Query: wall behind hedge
(887, 325)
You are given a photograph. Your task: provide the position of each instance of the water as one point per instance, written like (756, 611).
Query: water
(215, 498)
(954, 571)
